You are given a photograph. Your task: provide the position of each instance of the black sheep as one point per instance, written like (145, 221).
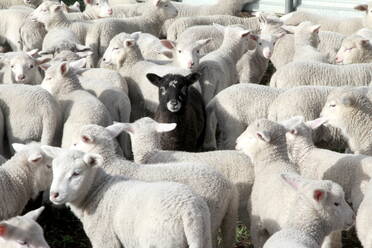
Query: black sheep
(180, 103)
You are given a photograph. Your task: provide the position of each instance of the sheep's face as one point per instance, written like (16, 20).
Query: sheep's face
(55, 76)
(100, 8)
(46, 12)
(307, 31)
(165, 9)
(353, 50)
(23, 231)
(173, 90)
(266, 43)
(24, 68)
(73, 175)
(122, 48)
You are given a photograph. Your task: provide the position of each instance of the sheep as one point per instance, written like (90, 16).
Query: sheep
(5, 4)
(71, 8)
(264, 142)
(151, 47)
(147, 149)
(350, 110)
(307, 101)
(31, 34)
(218, 68)
(78, 106)
(206, 182)
(303, 73)
(182, 104)
(157, 11)
(232, 110)
(30, 114)
(329, 43)
(124, 55)
(363, 219)
(306, 37)
(22, 67)
(94, 9)
(346, 26)
(310, 233)
(23, 230)
(23, 177)
(354, 49)
(166, 215)
(181, 24)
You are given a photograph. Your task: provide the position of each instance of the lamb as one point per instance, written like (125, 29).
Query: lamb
(147, 149)
(363, 219)
(23, 177)
(157, 11)
(329, 43)
(219, 194)
(167, 215)
(302, 73)
(22, 67)
(94, 9)
(150, 46)
(346, 26)
(5, 4)
(264, 142)
(71, 8)
(31, 34)
(78, 106)
(355, 49)
(311, 232)
(30, 114)
(182, 104)
(350, 110)
(23, 230)
(306, 37)
(218, 68)
(232, 110)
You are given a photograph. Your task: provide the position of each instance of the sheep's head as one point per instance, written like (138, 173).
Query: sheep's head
(100, 8)
(73, 174)
(32, 3)
(173, 90)
(266, 43)
(163, 8)
(46, 12)
(367, 8)
(40, 165)
(23, 231)
(305, 33)
(354, 49)
(344, 105)
(186, 55)
(325, 197)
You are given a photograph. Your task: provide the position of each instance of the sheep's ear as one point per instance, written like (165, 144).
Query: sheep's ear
(289, 29)
(78, 64)
(51, 151)
(33, 52)
(129, 42)
(157, 3)
(319, 195)
(245, 33)
(219, 27)
(4, 229)
(45, 67)
(82, 48)
(292, 122)
(87, 139)
(168, 44)
(254, 37)
(84, 54)
(362, 7)
(364, 43)
(165, 127)
(203, 42)
(264, 136)
(127, 127)
(63, 68)
(92, 160)
(315, 28)
(115, 129)
(35, 214)
(293, 180)
(154, 79)
(193, 77)
(76, 4)
(166, 52)
(56, 8)
(35, 157)
(43, 60)
(314, 124)
(18, 147)
(88, 1)
(348, 100)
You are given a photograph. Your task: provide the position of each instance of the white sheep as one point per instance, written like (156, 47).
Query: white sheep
(30, 114)
(23, 177)
(5, 4)
(355, 49)
(166, 215)
(31, 34)
(94, 9)
(232, 110)
(350, 110)
(264, 142)
(329, 44)
(22, 67)
(346, 26)
(363, 219)
(206, 182)
(310, 232)
(218, 68)
(315, 73)
(23, 231)
(78, 106)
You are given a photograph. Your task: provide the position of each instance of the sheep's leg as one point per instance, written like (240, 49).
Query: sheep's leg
(258, 234)
(333, 240)
(229, 222)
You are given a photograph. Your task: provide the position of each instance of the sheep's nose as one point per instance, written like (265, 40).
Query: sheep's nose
(21, 77)
(109, 11)
(173, 102)
(54, 195)
(191, 64)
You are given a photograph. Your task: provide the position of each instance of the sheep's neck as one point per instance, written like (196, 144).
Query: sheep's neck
(133, 58)
(258, 64)
(59, 21)
(88, 14)
(145, 146)
(231, 48)
(69, 85)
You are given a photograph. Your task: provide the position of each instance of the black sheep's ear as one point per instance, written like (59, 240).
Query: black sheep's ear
(154, 79)
(193, 77)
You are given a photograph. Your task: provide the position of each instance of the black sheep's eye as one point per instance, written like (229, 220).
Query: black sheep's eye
(337, 204)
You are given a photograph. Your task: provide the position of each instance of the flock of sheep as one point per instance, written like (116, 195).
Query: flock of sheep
(172, 142)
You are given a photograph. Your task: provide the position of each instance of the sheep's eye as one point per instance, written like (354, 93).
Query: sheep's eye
(115, 48)
(97, 4)
(166, 5)
(337, 204)
(49, 166)
(197, 51)
(260, 43)
(162, 90)
(21, 242)
(31, 66)
(332, 105)
(179, 51)
(12, 66)
(75, 174)
(49, 78)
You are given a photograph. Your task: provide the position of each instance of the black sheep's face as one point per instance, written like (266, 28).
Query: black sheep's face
(173, 89)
